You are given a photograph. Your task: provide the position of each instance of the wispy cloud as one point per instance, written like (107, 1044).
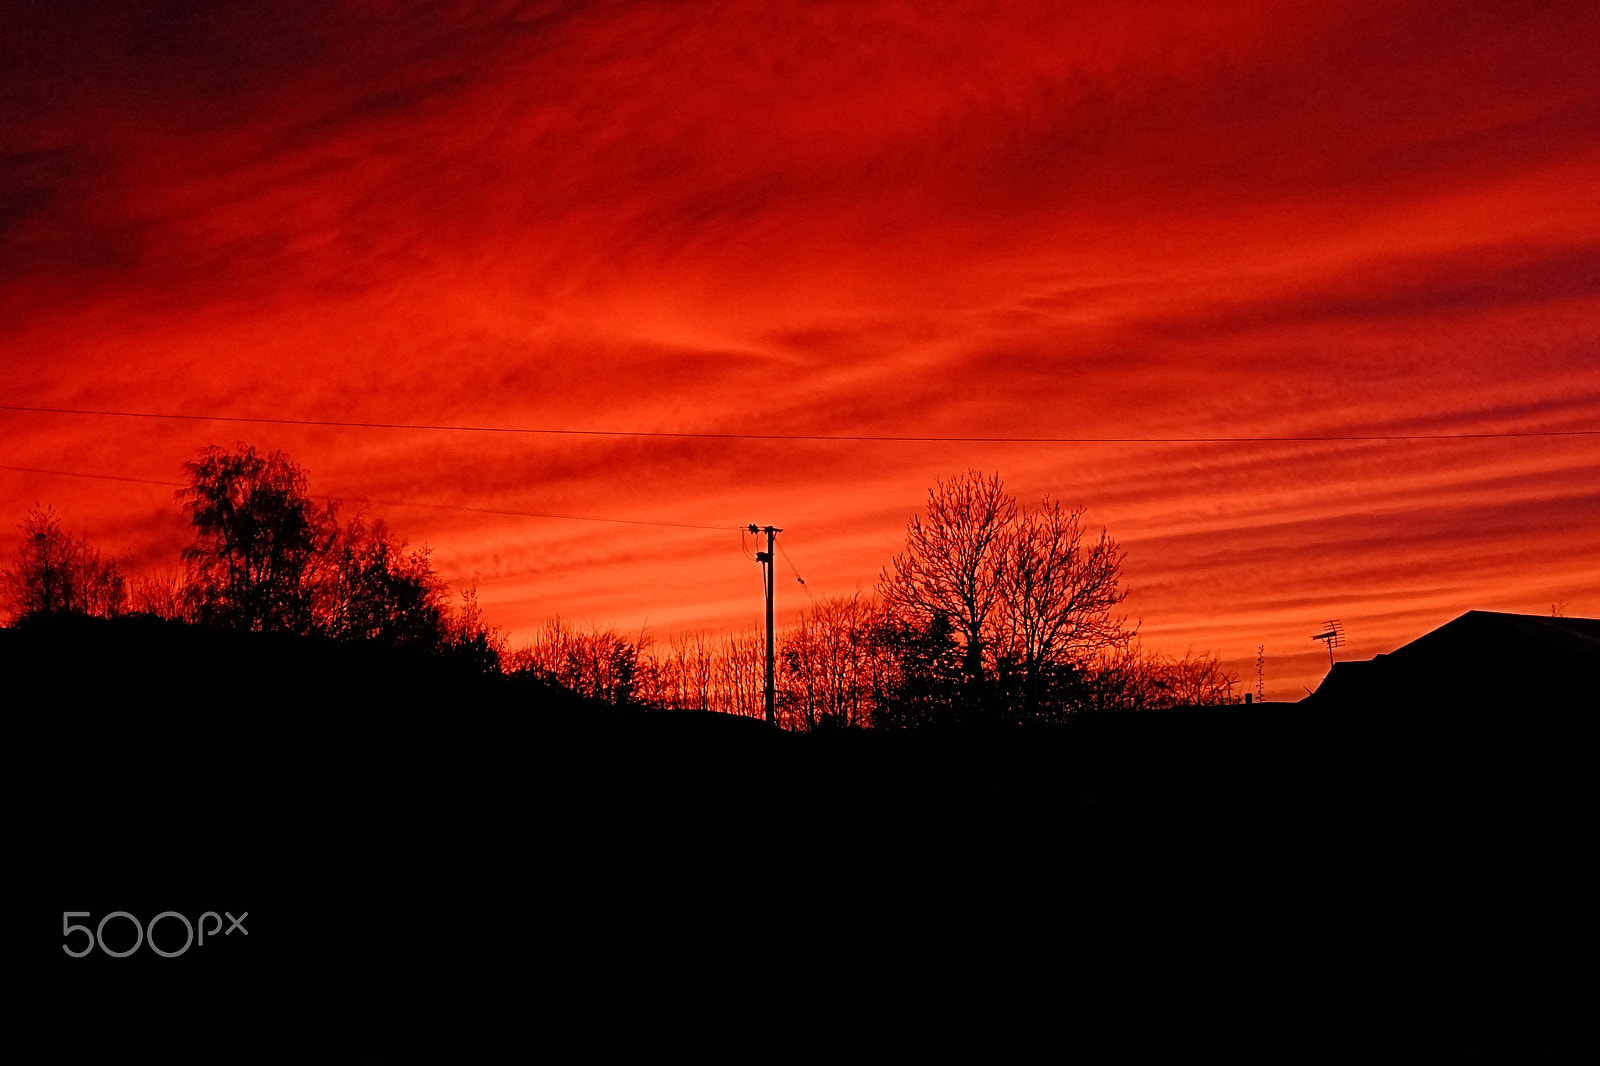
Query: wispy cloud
(1159, 219)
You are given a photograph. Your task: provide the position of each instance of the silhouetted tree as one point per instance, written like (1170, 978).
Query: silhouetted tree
(56, 573)
(257, 535)
(685, 674)
(924, 683)
(826, 666)
(594, 662)
(1058, 595)
(1194, 681)
(1133, 678)
(741, 674)
(953, 567)
(1025, 595)
(163, 594)
(469, 640)
(371, 588)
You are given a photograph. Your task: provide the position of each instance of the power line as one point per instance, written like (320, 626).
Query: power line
(883, 439)
(97, 477)
(398, 503)
(803, 586)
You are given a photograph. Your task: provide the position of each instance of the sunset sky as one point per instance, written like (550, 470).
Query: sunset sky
(1137, 223)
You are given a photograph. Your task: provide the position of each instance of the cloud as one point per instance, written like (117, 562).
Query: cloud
(1147, 219)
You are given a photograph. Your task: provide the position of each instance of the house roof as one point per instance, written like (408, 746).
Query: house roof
(1480, 657)
(1580, 635)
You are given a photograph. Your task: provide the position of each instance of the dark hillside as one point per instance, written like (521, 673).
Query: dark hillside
(414, 840)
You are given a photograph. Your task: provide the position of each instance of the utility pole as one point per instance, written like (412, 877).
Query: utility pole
(765, 559)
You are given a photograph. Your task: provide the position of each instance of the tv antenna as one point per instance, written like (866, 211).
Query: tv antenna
(1333, 636)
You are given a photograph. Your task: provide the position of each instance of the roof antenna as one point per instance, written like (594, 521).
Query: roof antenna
(1332, 636)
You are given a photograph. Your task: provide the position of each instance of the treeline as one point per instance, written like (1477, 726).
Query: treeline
(846, 663)
(992, 612)
(266, 557)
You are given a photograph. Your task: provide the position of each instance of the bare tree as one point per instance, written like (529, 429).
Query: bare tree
(161, 594)
(1058, 596)
(1133, 678)
(954, 563)
(826, 665)
(1027, 596)
(55, 573)
(369, 587)
(594, 662)
(741, 675)
(682, 675)
(470, 640)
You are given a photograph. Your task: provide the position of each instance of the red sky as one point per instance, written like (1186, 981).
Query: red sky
(1126, 220)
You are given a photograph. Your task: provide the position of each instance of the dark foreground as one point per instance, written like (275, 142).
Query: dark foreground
(432, 860)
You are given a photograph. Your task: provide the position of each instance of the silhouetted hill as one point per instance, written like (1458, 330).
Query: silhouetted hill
(415, 841)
